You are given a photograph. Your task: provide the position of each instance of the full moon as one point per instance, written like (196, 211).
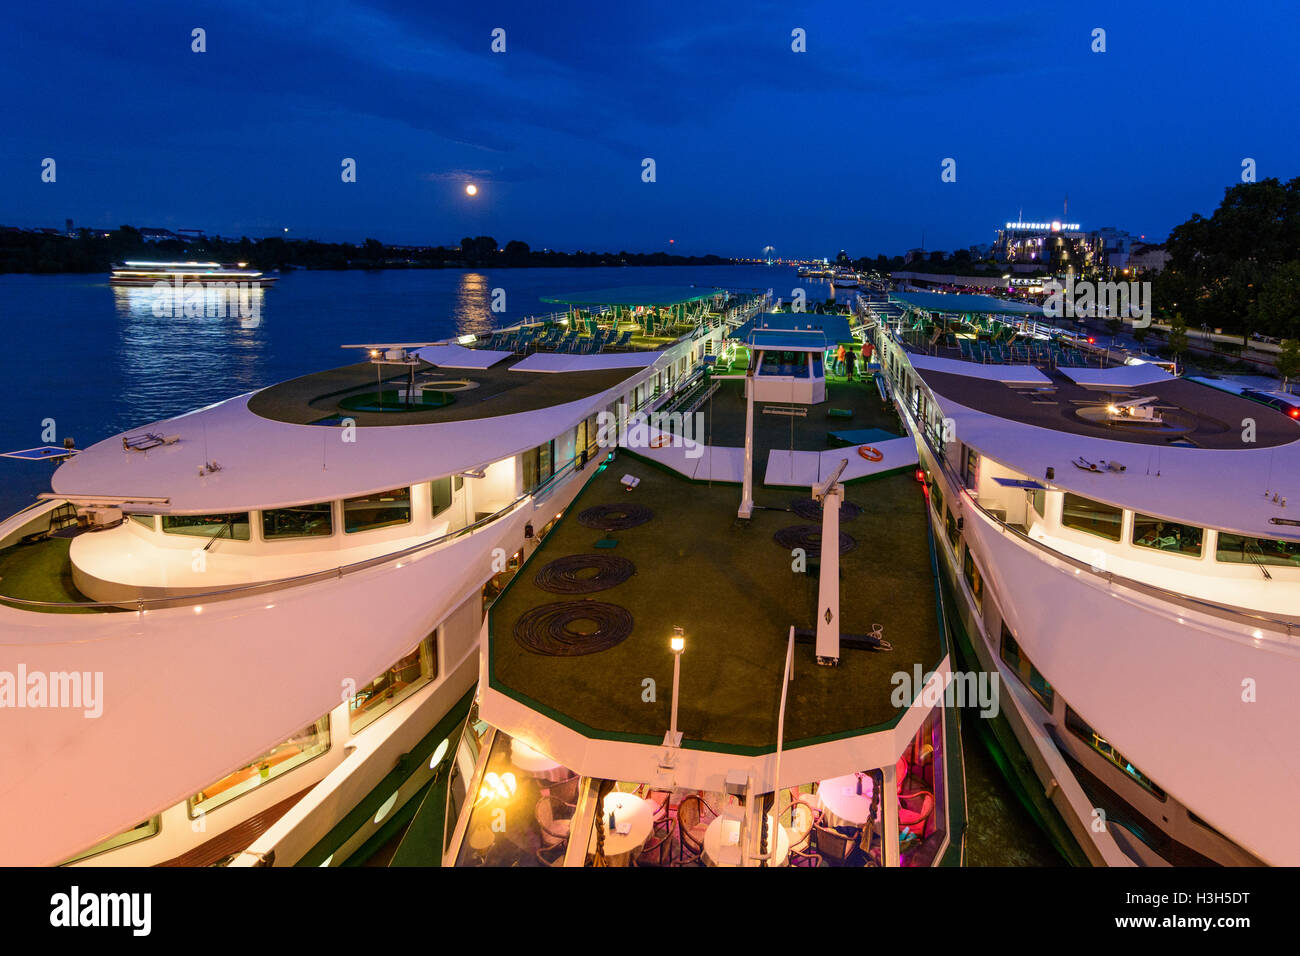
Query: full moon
(471, 190)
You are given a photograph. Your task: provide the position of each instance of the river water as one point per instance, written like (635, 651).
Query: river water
(87, 360)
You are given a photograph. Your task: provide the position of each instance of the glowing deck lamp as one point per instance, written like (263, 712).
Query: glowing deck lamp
(678, 644)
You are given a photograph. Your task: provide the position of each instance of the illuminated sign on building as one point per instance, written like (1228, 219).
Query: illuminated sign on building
(1054, 226)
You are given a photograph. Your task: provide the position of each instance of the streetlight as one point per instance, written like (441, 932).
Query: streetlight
(678, 644)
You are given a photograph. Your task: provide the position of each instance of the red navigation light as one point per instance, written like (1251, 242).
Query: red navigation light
(920, 475)
(1091, 340)
(1294, 413)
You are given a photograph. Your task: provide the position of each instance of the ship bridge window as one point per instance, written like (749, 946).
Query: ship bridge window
(145, 521)
(1079, 727)
(303, 521)
(383, 509)
(233, 526)
(1161, 535)
(1093, 517)
(1239, 549)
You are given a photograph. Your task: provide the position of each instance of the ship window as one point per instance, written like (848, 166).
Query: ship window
(1039, 501)
(936, 496)
(970, 467)
(1077, 726)
(441, 495)
(398, 682)
(1027, 672)
(234, 526)
(953, 531)
(380, 510)
(974, 578)
(1238, 549)
(145, 521)
(1149, 532)
(312, 741)
(304, 521)
(457, 484)
(537, 463)
(141, 831)
(1093, 517)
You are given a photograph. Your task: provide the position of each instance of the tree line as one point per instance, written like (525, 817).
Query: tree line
(93, 251)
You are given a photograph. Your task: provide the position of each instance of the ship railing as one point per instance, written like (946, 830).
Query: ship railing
(539, 493)
(1284, 629)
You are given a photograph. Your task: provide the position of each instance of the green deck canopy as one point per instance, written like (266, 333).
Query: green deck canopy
(654, 296)
(964, 303)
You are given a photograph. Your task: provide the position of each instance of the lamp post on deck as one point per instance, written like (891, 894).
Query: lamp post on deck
(678, 644)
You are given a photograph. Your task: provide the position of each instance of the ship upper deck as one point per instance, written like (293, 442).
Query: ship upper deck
(474, 394)
(734, 590)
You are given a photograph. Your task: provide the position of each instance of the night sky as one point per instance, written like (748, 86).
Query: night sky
(754, 144)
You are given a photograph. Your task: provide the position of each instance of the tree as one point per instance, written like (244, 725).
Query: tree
(517, 252)
(1177, 336)
(1288, 361)
(1278, 310)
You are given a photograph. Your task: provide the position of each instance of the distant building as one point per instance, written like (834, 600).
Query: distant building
(912, 255)
(1147, 257)
(1054, 246)
(157, 235)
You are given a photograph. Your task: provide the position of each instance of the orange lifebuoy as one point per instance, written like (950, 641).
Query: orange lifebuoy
(870, 454)
(661, 441)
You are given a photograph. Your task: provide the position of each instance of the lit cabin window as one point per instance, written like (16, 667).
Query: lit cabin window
(1161, 535)
(384, 509)
(1093, 517)
(1239, 549)
(141, 831)
(303, 521)
(401, 680)
(974, 579)
(233, 526)
(1077, 726)
(1027, 672)
(312, 741)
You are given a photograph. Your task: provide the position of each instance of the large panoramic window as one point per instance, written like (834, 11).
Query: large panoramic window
(440, 495)
(1094, 517)
(312, 741)
(1161, 535)
(1079, 727)
(401, 680)
(1239, 549)
(1027, 672)
(234, 526)
(383, 509)
(303, 521)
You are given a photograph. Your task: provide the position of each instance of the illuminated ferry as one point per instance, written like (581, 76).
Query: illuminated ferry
(151, 273)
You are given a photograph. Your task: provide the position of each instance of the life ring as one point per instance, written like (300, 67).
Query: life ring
(661, 441)
(870, 454)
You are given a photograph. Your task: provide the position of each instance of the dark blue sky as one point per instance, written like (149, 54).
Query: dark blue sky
(754, 144)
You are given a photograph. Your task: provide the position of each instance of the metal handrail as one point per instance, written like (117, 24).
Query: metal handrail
(278, 584)
(1286, 625)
